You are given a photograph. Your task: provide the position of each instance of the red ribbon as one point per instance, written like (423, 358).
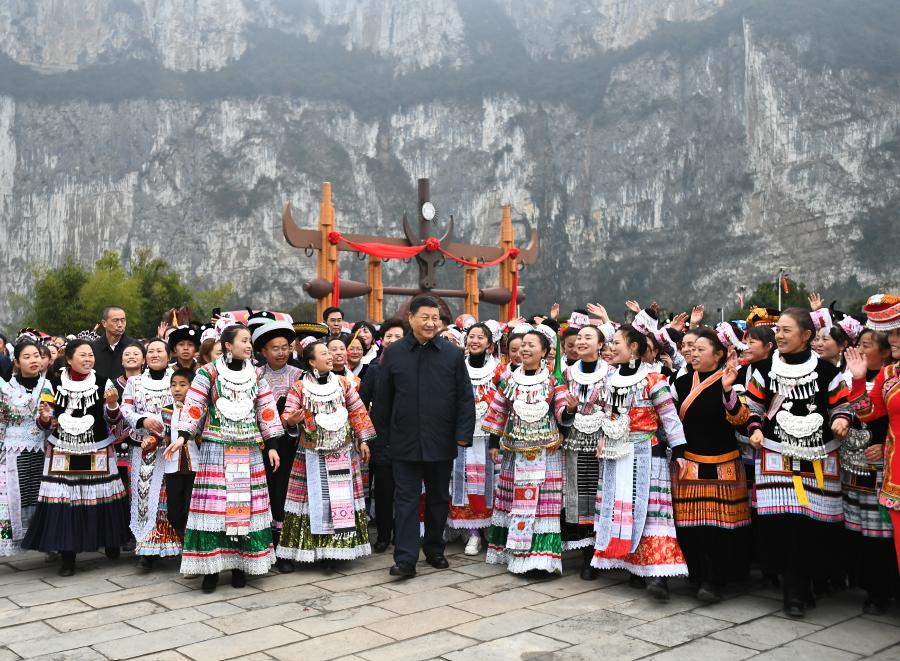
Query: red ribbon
(386, 251)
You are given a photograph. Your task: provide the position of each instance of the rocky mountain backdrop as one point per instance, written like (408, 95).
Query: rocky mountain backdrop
(674, 148)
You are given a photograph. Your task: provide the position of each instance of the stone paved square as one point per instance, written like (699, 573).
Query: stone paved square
(108, 610)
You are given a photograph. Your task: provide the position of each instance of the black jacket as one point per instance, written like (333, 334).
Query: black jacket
(424, 402)
(107, 361)
(367, 391)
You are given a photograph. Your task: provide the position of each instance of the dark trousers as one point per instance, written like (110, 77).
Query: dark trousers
(178, 499)
(712, 554)
(798, 546)
(277, 481)
(382, 477)
(408, 479)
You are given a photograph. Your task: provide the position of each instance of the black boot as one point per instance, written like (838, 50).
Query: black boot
(210, 581)
(112, 552)
(145, 563)
(659, 588)
(588, 573)
(284, 566)
(67, 568)
(238, 578)
(636, 582)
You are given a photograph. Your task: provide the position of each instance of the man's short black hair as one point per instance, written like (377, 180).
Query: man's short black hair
(423, 301)
(104, 315)
(330, 311)
(185, 372)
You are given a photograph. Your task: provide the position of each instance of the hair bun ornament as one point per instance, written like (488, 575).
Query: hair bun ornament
(88, 335)
(28, 334)
(727, 336)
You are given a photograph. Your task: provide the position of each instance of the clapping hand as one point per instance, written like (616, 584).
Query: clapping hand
(112, 397)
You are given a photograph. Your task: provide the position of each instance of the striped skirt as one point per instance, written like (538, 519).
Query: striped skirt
(861, 510)
(297, 541)
(207, 547)
(777, 489)
(537, 526)
(712, 493)
(658, 553)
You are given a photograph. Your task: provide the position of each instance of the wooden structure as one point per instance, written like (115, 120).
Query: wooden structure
(321, 240)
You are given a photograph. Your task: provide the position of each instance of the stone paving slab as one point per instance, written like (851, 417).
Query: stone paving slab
(359, 612)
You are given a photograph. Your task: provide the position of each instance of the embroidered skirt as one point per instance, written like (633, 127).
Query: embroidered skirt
(79, 512)
(652, 548)
(861, 510)
(208, 547)
(472, 487)
(713, 493)
(525, 530)
(778, 479)
(153, 533)
(20, 483)
(582, 469)
(312, 512)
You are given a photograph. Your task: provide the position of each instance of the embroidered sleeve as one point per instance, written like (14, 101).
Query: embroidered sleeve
(128, 412)
(498, 410)
(737, 413)
(838, 402)
(195, 404)
(661, 397)
(756, 400)
(558, 392)
(869, 406)
(267, 411)
(359, 417)
(563, 417)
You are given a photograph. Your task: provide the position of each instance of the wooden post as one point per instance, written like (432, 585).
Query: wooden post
(328, 254)
(507, 239)
(470, 280)
(375, 299)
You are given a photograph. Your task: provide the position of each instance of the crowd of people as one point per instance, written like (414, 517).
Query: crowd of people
(663, 447)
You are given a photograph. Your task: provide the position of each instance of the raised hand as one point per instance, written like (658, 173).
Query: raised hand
(162, 328)
(730, 371)
(678, 321)
(598, 311)
(112, 397)
(634, 306)
(856, 363)
(815, 301)
(697, 313)
(554, 311)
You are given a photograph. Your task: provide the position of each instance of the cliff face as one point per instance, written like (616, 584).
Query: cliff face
(667, 148)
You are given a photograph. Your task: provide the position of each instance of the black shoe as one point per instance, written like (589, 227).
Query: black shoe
(795, 609)
(112, 552)
(145, 563)
(68, 566)
(284, 566)
(874, 608)
(658, 588)
(438, 561)
(329, 566)
(709, 594)
(380, 547)
(637, 582)
(403, 570)
(588, 573)
(238, 578)
(210, 581)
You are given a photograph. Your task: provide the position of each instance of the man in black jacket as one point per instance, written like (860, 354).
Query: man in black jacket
(424, 409)
(108, 349)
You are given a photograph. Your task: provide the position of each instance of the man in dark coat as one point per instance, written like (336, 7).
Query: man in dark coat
(424, 410)
(108, 349)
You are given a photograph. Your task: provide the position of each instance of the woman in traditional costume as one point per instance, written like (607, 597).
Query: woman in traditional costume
(325, 513)
(634, 530)
(472, 484)
(586, 387)
(710, 501)
(522, 420)
(81, 503)
(21, 445)
(879, 402)
(143, 402)
(799, 417)
(230, 524)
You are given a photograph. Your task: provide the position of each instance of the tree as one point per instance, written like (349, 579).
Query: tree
(766, 296)
(71, 298)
